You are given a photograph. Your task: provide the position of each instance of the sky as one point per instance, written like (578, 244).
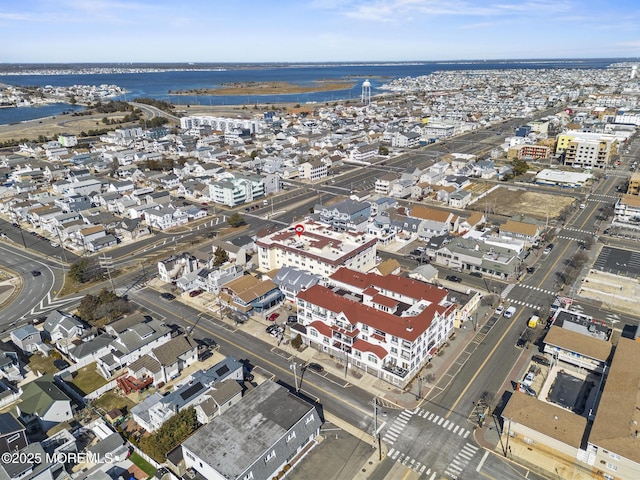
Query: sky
(66, 31)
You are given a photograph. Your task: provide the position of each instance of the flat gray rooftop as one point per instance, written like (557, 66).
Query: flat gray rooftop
(234, 440)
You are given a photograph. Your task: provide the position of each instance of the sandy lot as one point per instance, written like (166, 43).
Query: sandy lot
(504, 201)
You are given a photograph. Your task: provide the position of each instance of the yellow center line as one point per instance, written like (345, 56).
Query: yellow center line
(455, 404)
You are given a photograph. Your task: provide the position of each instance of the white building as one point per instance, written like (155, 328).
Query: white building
(389, 326)
(238, 190)
(222, 124)
(313, 171)
(316, 248)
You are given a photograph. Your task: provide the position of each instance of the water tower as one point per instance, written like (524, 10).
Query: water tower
(366, 92)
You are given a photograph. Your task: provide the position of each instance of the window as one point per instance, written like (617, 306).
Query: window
(615, 456)
(309, 419)
(291, 436)
(270, 456)
(12, 438)
(611, 466)
(189, 455)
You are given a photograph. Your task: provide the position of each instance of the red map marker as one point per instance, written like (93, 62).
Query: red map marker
(299, 229)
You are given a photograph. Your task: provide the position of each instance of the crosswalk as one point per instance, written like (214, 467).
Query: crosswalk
(462, 459)
(394, 430)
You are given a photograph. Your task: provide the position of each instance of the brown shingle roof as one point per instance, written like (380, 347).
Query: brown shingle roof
(426, 213)
(168, 353)
(615, 427)
(549, 420)
(388, 266)
(519, 227)
(577, 342)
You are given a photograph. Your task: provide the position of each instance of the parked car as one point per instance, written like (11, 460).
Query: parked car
(292, 319)
(55, 244)
(510, 312)
(476, 274)
(453, 278)
(548, 249)
(208, 342)
(528, 379)
(273, 316)
(531, 269)
(541, 360)
(315, 367)
(167, 296)
(528, 390)
(499, 311)
(195, 293)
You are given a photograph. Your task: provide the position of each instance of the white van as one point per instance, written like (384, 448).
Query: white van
(509, 312)
(265, 202)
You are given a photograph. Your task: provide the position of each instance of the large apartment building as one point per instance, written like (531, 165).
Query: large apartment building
(316, 248)
(587, 150)
(235, 191)
(388, 326)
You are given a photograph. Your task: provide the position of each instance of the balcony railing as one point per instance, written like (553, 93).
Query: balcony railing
(397, 371)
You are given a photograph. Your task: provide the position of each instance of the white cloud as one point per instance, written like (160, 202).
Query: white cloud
(402, 10)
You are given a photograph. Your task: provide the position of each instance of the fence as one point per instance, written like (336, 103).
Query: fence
(103, 389)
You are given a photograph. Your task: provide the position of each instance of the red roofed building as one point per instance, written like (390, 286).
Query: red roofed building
(317, 248)
(389, 326)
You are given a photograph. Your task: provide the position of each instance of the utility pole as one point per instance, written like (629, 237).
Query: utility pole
(294, 367)
(376, 435)
(107, 263)
(64, 254)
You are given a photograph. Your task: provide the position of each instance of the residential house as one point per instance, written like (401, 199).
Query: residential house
(174, 356)
(435, 222)
(390, 266)
(33, 463)
(132, 229)
(248, 292)
(528, 232)
(26, 338)
(164, 218)
(255, 438)
(132, 343)
(212, 279)
(218, 400)
(43, 405)
(174, 267)
(13, 435)
(346, 215)
(91, 349)
(460, 198)
(401, 188)
(291, 281)
(383, 184)
(10, 366)
(62, 327)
